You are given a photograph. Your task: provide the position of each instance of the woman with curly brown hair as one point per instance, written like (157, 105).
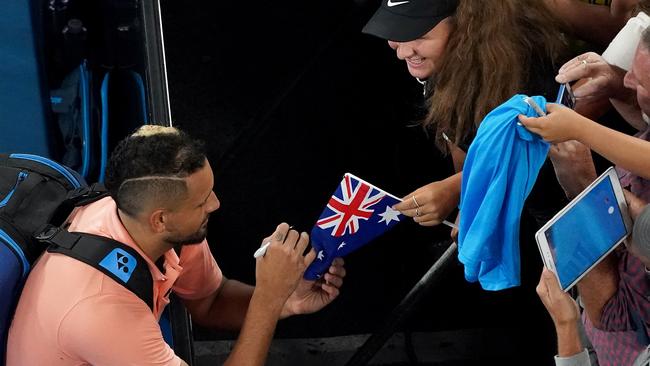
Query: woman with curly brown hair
(474, 55)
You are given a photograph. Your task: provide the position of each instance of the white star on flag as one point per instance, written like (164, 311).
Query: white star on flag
(321, 256)
(389, 215)
(341, 246)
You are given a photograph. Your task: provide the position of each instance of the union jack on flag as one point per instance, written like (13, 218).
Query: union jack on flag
(354, 204)
(356, 213)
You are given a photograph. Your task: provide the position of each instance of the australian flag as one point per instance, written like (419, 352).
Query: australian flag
(356, 213)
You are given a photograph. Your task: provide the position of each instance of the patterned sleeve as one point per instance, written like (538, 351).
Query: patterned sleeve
(631, 298)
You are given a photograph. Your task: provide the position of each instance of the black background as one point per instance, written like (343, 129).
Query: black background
(289, 96)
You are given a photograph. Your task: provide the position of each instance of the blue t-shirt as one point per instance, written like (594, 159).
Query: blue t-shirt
(499, 172)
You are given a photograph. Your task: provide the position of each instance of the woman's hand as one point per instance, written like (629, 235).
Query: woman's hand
(431, 204)
(560, 124)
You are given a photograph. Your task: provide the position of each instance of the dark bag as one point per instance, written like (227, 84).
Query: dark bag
(36, 197)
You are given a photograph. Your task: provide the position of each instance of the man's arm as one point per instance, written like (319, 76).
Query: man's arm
(225, 308)
(257, 309)
(256, 334)
(565, 314)
(575, 170)
(256, 313)
(598, 287)
(592, 23)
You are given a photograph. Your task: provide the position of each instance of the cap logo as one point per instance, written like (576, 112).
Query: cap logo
(395, 3)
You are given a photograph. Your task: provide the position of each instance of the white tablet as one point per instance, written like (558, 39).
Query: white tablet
(585, 231)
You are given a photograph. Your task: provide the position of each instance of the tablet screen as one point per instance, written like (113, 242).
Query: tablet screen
(586, 232)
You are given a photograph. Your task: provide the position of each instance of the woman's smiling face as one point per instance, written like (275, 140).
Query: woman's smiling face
(424, 55)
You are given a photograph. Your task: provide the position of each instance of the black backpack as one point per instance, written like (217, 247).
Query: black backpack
(36, 197)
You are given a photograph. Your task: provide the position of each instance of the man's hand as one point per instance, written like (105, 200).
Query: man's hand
(311, 296)
(635, 205)
(560, 305)
(277, 274)
(602, 80)
(600, 83)
(564, 311)
(573, 165)
(431, 204)
(281, 268)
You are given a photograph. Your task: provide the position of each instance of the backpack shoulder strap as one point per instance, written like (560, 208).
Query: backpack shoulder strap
(79, 197)
(116, 260)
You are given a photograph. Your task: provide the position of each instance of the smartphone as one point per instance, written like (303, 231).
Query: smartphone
(565, 96)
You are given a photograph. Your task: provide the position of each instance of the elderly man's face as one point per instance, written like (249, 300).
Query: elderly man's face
(638, 78)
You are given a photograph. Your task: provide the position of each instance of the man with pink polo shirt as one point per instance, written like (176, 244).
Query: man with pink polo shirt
(161, 197)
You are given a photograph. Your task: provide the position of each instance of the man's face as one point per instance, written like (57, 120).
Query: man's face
(189, 223)
(638, 78)
(424, 55)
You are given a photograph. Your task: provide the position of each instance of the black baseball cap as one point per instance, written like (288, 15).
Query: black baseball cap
(403, 21)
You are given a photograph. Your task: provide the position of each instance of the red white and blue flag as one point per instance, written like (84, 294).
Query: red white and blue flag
(356, 213)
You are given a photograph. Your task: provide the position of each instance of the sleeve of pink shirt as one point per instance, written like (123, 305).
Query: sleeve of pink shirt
(97, 327)
(201, 275)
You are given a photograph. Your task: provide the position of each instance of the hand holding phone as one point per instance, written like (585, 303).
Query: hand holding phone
(565, 96)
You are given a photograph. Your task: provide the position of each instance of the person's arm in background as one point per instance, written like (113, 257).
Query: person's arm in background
(592, 23)
(562, 124)
(601, 290)
(623, 8)
(573, 165)
(575, 170)
(565, 315)
(598, 287)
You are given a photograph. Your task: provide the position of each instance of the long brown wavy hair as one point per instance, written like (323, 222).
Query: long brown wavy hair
(487, 60)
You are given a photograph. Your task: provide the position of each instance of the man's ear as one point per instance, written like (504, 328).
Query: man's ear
(158, 220)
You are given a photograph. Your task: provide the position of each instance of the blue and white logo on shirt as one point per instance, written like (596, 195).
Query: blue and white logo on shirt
(120, 263)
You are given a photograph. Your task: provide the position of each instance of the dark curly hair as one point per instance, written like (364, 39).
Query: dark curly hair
(150, 166)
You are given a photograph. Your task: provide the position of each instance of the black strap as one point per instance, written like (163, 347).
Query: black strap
(116, 260)
(78, 197)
